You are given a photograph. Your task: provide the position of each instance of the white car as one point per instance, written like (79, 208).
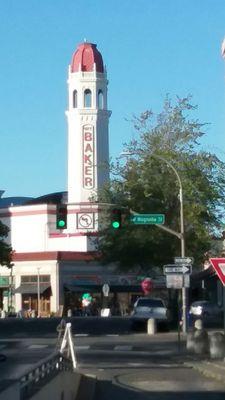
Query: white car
(146, 308)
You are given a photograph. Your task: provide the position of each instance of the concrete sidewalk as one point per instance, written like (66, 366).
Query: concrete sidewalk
(138, 382)
(210, 368)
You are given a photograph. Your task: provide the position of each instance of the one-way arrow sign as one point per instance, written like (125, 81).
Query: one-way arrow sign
(177, 269)
(183, 260)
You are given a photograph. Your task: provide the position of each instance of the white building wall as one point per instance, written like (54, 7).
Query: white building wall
(33, 228)
(28, 226)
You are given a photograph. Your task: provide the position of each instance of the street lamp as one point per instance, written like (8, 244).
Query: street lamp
(180, 234)
(182, 239)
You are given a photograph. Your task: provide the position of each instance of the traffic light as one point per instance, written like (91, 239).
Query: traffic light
(116, 218)
(61, 216)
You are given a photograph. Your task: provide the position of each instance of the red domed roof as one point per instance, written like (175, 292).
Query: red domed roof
(85, 57)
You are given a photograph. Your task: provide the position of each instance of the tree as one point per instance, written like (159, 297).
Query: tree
(145, 184)
(5, 249)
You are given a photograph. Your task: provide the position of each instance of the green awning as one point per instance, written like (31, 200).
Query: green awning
(30, 288)
(4, 281)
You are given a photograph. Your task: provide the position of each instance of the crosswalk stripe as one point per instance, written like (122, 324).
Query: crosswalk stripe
(81, 334)
(82, 347)
(123, 348)
(135, 364)
(37, 346)
(112, 335)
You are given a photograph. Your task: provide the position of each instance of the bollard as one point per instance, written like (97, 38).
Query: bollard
(198, 340)
(217, 345)
(151, 326)
(198, 324)
(190, 341)
(201, 342)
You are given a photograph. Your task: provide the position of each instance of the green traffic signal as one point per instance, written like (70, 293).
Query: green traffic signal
(61, 223)
(116, 218)
(61, 216)
(115, 224)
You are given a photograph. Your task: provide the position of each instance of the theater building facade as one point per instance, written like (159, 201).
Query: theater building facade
(51, 266)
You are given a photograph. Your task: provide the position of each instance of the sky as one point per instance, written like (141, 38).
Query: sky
(151, 48)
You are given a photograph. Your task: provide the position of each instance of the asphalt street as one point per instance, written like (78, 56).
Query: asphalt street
(128, 365)
(109, 350)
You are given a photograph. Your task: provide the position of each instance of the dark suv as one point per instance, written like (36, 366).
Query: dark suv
(207, 311)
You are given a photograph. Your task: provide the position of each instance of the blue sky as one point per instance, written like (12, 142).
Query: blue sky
(150, 47)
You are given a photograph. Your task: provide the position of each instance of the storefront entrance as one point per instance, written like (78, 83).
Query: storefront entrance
(30, 303)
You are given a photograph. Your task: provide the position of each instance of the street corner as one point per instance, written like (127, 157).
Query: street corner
(209, 368)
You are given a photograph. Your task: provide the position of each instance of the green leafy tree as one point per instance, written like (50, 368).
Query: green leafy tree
(145, 184)
(5, 249)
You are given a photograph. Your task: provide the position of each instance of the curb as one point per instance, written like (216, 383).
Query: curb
(86, 389)
(208, 369)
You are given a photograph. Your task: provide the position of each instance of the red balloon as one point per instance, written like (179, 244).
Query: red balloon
(147, 285)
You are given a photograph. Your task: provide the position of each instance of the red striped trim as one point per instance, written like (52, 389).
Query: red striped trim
(22, 213)
(55, 256)
(58, 235)
(26, 213)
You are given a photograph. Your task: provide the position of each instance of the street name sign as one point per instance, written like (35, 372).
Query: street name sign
(219, 266)
(177, 269)
(147, 219)
(183, 260)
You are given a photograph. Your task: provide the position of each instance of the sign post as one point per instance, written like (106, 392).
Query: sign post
(219, 266)
(178, 277)
(105, 311)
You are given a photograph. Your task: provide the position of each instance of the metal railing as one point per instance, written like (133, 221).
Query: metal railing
(42, 372)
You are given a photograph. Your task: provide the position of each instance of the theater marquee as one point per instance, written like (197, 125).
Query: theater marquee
(88, 157)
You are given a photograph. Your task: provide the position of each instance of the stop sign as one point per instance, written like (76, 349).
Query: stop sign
(147, 285)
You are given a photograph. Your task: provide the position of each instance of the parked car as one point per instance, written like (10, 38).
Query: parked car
(208, 312)
(146, 308)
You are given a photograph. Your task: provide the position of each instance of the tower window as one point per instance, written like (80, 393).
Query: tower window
(100, 100)
(87, 98)
(75, 99)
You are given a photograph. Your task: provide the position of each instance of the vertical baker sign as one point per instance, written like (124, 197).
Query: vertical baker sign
(88, 157)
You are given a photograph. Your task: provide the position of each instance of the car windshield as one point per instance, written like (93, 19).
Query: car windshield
(150, 303)
(200, 303)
